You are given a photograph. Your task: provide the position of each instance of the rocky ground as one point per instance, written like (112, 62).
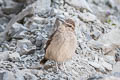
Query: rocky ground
(25, 26)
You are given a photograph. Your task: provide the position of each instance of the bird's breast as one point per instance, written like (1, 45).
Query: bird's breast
(62, 46)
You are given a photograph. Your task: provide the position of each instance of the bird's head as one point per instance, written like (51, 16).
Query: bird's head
(67, 22)
(70, 23)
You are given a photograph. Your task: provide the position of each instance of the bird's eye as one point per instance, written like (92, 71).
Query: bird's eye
(69, 26)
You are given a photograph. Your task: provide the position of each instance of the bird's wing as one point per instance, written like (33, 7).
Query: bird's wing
(57, 23)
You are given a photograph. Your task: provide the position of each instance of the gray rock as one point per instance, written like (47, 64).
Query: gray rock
(79, 4)
(111, 78)
(116, 67)
(2, 28)
(40, 41)
(4, 55)
(16, 30)
(40, 20)
(97, 66)
(106, 65)
(96, 77)
(104, 78)
(5, 46)
(109, 59)
(54, 12)
(19, 75)
(117, 55)
(33, 26)
(41, 5)
(5, 75)
(11, 7)
(25, 47)
(1, 50)
(14, 56)
(24, 1)
(95, 35)
(30, 76)
(37, 72)
(1, 2)
(1, 38)
(21, 1)
(25, 74)
(87, 17)
(3, 20)
(21, 35)
(95, 44)
(109, 49)
(113, 37)
(116, 74)
(111, 3)
(57, 3)
(111, 41)
(45, 13)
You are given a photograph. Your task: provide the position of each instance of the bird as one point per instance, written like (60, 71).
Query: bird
(62, 44)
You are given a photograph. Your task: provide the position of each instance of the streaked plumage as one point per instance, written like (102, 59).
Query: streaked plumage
(62, 44)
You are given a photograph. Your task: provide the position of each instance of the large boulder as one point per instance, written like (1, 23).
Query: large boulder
(112, 37)
(79, 4)
(16, 30)
(5, 75)
(41, 5)
(11, 7)
(111, 41)
(25, 47)
(4, 55)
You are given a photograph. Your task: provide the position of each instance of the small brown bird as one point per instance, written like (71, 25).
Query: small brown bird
(62, 43)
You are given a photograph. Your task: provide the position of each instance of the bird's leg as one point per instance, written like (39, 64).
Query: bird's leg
(57, 66)
(62, 67)
(63, 64)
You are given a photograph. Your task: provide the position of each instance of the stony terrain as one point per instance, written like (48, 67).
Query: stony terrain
(25, 26)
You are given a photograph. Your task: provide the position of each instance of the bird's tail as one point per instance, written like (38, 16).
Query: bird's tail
(43, 61)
